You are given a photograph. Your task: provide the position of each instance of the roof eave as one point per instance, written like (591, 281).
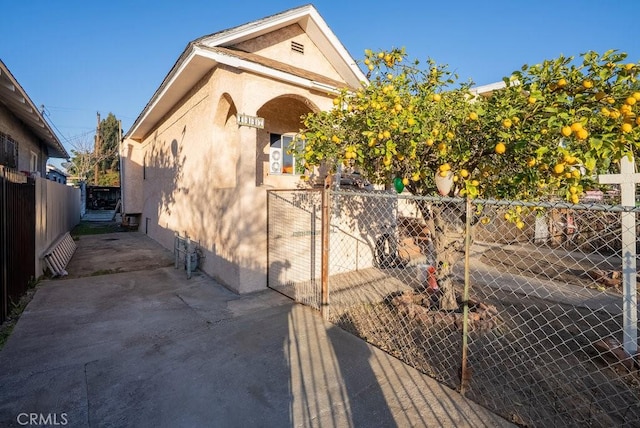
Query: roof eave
(198, 61)
(191, 70)
(15, 98)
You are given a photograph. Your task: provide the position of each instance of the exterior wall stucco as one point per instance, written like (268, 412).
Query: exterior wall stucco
(27, 142)
(200, 175)
(277, 45)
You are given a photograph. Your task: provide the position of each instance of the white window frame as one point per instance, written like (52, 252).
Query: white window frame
(33, 162)
(280, 161)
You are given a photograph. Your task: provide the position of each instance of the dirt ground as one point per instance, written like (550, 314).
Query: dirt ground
(540, 366)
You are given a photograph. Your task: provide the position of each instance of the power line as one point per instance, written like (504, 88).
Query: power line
(47, 115)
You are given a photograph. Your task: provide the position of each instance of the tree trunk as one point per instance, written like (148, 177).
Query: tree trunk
(447, 226)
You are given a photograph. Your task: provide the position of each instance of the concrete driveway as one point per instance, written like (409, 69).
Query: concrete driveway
(145, 347)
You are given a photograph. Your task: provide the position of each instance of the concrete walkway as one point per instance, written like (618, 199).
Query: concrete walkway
(145, 347)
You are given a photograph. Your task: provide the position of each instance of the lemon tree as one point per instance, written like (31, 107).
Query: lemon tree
(545, 134)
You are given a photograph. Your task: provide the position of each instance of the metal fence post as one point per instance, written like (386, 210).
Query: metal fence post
(4, 302)
(188, 257)
(325, 252)
(176, 250)
(465, 373)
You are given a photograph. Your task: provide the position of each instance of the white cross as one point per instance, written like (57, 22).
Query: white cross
(627, 179)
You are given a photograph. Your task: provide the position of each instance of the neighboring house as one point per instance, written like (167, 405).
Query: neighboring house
(200, 157)
(55, 174)
(35, 211)
(26, 139)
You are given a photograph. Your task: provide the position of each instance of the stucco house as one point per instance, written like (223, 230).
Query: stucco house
(211, 141)
(26, 139)
(35, 211)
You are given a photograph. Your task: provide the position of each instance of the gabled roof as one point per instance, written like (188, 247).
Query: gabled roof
(18, 102)
(487, 90)
(204, 53)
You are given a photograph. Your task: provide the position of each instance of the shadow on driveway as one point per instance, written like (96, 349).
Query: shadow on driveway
(147, 347)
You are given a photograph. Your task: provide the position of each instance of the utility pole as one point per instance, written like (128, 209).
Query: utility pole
(96, 151)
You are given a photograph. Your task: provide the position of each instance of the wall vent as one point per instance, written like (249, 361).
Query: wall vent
(297, 47)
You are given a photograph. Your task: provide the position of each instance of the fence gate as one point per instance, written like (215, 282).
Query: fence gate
(295, 244)
(17, 238)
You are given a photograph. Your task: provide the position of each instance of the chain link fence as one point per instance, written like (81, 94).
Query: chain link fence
(543, 321)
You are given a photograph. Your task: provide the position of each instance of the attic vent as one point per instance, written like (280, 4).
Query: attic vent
(297, 47)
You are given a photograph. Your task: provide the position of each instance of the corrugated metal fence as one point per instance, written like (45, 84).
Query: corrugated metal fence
(34, 213)
(17, 237)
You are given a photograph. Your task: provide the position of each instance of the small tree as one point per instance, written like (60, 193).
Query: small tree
(109, 141)
(84, 160)
(546, 133)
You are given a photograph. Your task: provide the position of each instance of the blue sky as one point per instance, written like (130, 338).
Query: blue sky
(78, 57)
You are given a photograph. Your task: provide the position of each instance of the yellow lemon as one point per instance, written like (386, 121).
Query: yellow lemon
(587, 84)
(582, 134)
(507, 123)
(558, 168)
(473, 116)
(430, 142)
(575, 127)
(626, 128)
(500, 148)
(464, 173)
(566, 131)
(631, 101)
(437, 97)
